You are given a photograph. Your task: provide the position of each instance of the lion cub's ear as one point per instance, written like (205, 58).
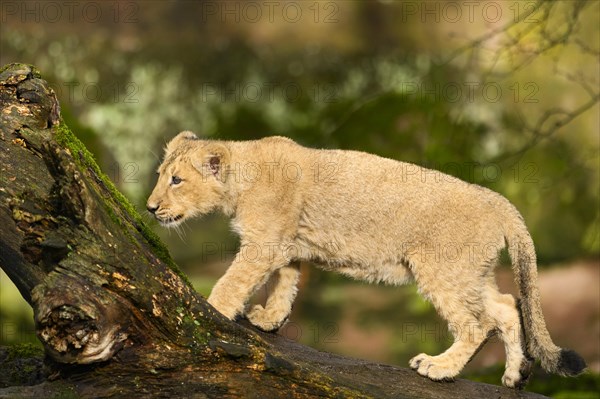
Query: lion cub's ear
(177, 140)
(213, 160)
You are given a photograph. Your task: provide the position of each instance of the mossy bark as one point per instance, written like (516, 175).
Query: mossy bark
(114, 314)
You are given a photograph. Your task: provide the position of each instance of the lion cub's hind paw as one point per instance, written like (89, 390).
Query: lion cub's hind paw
(512, 379)
(518, 378)
(261, 318)
(432, 368)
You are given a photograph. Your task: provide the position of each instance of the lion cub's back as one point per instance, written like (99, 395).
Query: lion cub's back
(359, 186)
(367, 194)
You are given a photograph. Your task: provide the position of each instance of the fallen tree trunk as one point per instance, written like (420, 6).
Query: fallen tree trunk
(114, 314)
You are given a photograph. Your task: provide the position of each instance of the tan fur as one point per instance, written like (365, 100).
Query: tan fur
(365, 216)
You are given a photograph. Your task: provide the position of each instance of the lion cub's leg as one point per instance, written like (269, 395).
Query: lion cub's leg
(231, 293)
(279, 303)
(459, 302)
(502, 309)
(469, 336)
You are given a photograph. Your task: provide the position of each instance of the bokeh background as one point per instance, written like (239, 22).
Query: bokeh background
(499, 93)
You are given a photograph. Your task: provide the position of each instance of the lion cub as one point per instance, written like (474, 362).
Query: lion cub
(371, 218)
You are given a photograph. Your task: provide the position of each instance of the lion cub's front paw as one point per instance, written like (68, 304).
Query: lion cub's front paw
(263, 319)
(433, 367)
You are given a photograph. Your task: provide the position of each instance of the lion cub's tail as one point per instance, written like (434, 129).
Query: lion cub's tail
(554, 359)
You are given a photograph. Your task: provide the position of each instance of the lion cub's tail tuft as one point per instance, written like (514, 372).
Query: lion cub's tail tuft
(554, 359)
(570, 363)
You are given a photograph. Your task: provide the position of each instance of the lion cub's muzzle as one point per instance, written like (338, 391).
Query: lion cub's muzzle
(168, 221)
(163, 217)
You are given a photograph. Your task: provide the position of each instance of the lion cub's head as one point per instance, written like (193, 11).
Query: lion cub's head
(191, 179)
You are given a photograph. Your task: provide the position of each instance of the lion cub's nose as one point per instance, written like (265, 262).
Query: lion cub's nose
(151, 208)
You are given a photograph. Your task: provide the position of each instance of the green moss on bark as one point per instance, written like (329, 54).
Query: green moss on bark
(24, 351)
(15, 66)
(85, 159)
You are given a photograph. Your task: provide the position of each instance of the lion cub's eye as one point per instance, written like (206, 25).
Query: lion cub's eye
(175, 180)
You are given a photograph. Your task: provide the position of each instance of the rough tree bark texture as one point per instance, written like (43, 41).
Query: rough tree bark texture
(114, 314)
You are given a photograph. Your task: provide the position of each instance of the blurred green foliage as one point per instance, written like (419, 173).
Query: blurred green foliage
(399, 102)
(377, 78)
(586, 386)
